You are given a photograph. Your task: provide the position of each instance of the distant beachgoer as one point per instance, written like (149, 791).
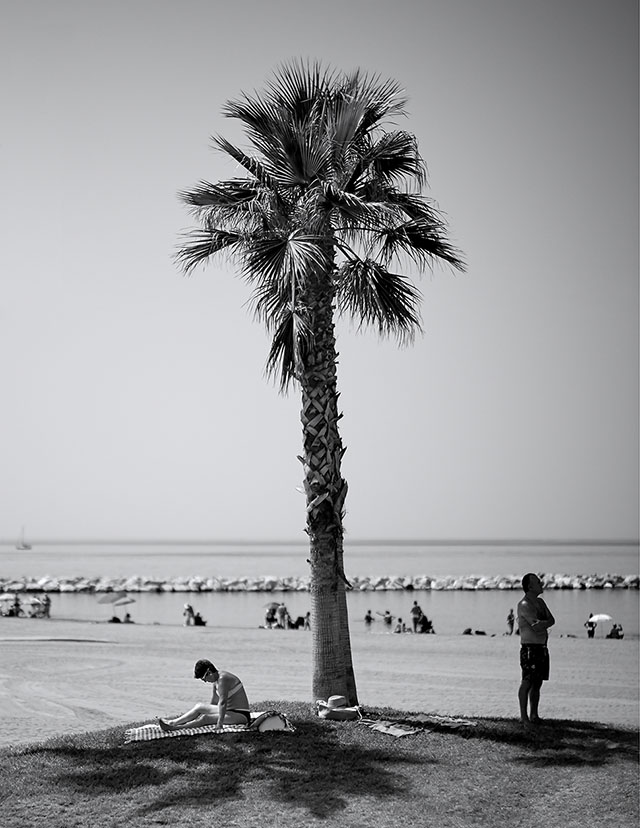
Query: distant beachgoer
(510, 622)
(400, 627)
(307, 621)
(114, 620)
(229, 702)
(369, 619)
(128, 619)
(425, 625)
(270, 619)
(198, 620)
(46, 606)
(591, 626)
(534, 620)
(387, 618)
(416, 613)
(616, 631)
(281, 614)
(189, 615)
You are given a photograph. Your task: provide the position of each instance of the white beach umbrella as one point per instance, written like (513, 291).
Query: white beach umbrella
(122, 601)
(601, 616)
(111, 597)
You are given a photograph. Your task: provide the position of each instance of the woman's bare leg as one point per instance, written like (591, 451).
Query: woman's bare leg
(198, 716)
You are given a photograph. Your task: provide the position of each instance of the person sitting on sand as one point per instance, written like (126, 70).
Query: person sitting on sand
(229, 703)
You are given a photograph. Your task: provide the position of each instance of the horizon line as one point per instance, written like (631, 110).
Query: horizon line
(347, 542)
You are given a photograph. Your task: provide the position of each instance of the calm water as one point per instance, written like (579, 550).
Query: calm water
(224, 560)
(451, 612)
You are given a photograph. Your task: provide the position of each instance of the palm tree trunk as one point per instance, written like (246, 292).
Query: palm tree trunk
(326, 491)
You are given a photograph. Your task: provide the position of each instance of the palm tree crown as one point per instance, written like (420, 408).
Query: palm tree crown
(326, 188)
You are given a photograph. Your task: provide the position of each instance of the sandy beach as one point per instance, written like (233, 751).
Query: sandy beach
(67, 676)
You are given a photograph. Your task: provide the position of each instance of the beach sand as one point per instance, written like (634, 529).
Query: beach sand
(66, 676)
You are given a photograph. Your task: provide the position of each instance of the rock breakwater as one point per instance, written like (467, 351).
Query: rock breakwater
(301, 584)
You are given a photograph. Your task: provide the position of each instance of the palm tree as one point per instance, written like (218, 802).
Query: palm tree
(323, 209)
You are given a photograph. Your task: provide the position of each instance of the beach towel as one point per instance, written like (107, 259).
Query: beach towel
(451, 722)
(391, 728)
(418, 723)
(260, 722)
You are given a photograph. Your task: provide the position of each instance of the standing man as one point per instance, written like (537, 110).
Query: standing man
(534, 619)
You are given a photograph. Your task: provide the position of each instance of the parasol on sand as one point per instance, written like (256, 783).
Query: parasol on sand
(111, 597)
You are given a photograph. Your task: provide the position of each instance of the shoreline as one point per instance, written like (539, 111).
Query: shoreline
(367, 583)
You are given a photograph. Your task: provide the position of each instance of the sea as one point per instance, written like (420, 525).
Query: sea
(451, 611)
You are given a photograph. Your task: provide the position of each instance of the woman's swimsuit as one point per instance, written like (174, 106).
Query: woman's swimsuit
(235, 689)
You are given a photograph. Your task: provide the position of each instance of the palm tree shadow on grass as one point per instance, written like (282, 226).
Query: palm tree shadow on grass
(310, 768)
(561, 742)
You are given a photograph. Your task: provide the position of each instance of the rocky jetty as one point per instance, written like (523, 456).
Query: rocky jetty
(293, 584)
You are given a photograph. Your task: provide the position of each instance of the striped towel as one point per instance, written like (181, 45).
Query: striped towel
(147, 733)
(267, 720)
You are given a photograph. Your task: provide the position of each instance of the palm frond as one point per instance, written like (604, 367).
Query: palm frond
(393, 156)
(277, 257)
(296, 87)
(422, 240)
(200, 245)
(223, 194)
(250, 164)
(289, 349)
(266, 258)
(369, 292)
(385, 100)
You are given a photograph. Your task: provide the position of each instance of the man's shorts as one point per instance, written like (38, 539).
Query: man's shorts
(534, 661)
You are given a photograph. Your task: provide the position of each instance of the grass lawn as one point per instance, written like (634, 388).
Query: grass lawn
(562, 774)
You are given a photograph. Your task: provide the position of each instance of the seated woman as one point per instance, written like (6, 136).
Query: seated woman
(229, 703)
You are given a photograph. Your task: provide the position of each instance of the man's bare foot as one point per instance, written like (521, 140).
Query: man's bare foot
(535, 720)
(165, 725)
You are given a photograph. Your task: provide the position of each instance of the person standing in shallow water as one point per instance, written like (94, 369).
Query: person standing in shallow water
(510, 621)
(591, 626)
(534, 620)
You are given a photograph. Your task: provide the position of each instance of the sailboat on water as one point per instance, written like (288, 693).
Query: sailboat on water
(22, 544)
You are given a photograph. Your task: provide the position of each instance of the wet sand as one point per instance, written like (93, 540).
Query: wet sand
(65, 676)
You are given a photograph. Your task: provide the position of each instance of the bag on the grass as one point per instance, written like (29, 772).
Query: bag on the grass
(270, 721)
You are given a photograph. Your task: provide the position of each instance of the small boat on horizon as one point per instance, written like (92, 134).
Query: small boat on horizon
(22, 544)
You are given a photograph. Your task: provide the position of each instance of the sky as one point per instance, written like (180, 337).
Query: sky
(134, 400)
